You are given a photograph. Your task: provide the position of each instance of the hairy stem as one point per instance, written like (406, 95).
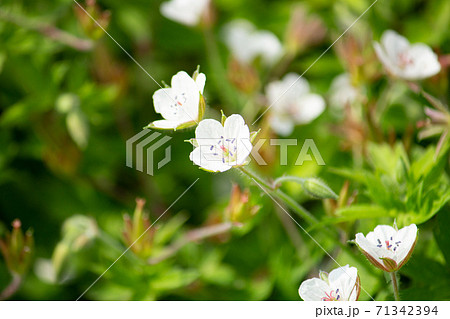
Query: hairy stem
(12, 288)
(394, 282)
(296, 207)
(191, 236)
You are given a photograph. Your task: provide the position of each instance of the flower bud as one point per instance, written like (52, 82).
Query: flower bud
(139, 228)
(240, 210)
(317, 188)
(243, 77)
(303, 31)
(17, 248)
(78, 231)
(88, 24)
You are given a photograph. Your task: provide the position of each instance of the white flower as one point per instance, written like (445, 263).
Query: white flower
(181, 105)
(292, 103)
(187, 12)
(406, 61)
(219, 147)
(246, 43)
(388, 248)
(342, 284)
(342, 92)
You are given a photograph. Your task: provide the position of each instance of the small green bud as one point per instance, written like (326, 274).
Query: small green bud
(240, 209)
(17, 248)
(317, 188)
(137, 232)
(67, 102)
(323, 275)
(223, 118)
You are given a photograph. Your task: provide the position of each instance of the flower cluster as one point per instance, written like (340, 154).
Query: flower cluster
(221, 145)
(386, 248)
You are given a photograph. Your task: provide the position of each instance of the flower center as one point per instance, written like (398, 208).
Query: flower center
(226, 148)
(389, 244)
(331, 297)
(404, 60)
(178, 102)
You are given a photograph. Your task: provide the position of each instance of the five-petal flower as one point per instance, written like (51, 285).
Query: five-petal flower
(246, 43)
(342, 91)
(404, 60)
(387, 247)
(220, 146)
(187, 12)
(292, 103)
(181, 105)
(342, 284)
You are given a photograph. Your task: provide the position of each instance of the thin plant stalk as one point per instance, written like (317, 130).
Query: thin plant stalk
(394, 282)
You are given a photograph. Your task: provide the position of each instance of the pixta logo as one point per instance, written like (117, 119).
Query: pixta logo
(142, 146)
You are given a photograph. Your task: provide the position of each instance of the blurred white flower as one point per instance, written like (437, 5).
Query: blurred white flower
(404, 60)
(219, 147)
(246, 43)
(180, 105)
(187, 12)
(386, 247)
(292, 103)
(342, 284)
(342, 92)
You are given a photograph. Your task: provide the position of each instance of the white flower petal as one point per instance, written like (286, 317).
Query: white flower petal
(344, 279)
(186, 12)
(165, 124)
(313, 289)
(221, 147)
(209, 132)
(201, 157)
(342, 92)
(266, 45)
(246, 43)
(309, 107)
(394, 44)
(400, 58)
(282, 125)
(200, 81)
(407, 235)
(370, 248)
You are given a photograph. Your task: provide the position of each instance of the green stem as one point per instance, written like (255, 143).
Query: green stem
(394, 282)
(299, 210)
(296, 207)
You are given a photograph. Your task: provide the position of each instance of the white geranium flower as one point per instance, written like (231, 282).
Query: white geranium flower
(342, 92)
(181, 105)
(292, 103)
(246, 43)
(187, 12)
(220, 146)
(387, 247)
(342, 284)
(404, 60)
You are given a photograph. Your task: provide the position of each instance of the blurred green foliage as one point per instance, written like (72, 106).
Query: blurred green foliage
(67, 110)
